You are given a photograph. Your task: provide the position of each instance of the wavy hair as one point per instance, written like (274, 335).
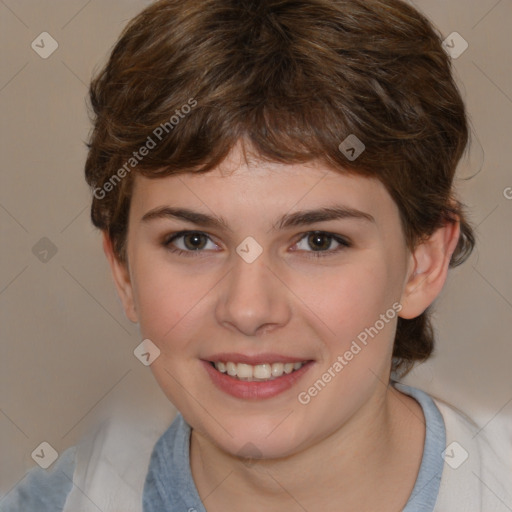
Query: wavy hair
(293, 78)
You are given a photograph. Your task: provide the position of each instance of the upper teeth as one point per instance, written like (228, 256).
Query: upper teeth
(266, 371)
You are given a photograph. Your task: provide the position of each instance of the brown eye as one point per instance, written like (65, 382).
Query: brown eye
(188, 243)
(194, 241)
(319, 243)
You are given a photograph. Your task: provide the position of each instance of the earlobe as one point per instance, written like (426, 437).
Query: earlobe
(428, 270)
(122, 280)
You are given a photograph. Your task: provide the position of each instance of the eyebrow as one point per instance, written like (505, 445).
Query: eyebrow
(299, 218)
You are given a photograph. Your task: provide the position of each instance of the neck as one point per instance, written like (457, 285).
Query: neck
(372, 459)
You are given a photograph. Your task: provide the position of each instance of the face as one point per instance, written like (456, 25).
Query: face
(271, 269)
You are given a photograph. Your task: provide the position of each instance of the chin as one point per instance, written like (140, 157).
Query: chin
(253, 439)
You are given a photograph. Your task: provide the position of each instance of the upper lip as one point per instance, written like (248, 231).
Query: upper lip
(254, 359)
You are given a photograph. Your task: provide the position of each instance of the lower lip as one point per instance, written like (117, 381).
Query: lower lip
(255, 390)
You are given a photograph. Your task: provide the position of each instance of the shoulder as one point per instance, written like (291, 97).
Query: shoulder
(490, 443)
(112, 460)
(478, 463)
(474, 461)
(43, 490)
(106, 470)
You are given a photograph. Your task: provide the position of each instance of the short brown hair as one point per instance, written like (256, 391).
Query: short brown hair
(293, 78)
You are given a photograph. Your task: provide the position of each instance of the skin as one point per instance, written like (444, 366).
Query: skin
(357, 445)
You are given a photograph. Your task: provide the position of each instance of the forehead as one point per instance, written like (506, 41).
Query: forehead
(242, 188)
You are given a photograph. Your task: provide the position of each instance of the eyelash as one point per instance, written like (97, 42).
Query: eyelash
(314, 254)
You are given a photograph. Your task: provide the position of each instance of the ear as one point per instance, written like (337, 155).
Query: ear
(122, 279)
(428, 269)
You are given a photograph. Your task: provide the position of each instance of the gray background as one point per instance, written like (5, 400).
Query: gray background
(67, 349)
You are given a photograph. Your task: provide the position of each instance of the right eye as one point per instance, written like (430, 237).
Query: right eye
(191, 242)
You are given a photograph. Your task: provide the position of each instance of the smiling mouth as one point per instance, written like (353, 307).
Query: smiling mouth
(256, 373)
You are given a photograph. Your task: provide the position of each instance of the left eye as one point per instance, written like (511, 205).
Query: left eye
(321, 243)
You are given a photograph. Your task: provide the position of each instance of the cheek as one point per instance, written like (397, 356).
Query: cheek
(348, 299)
(167, 299)
(358, 344)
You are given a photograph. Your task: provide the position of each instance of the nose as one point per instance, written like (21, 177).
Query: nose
(253, 298)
